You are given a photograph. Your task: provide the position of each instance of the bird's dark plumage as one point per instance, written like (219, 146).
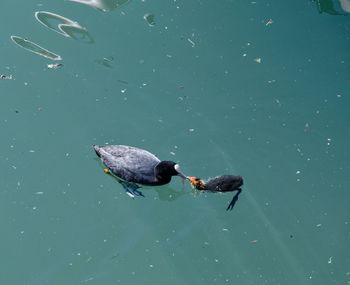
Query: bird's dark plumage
(136, 166)
(224, 183)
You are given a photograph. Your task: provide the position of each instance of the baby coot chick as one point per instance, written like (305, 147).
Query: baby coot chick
(224, 183)
(133, 167)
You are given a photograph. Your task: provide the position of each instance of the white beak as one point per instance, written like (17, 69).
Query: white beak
(180, 173)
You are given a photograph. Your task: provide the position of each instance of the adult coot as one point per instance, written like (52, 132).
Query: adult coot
(133, 167)
(224, 183)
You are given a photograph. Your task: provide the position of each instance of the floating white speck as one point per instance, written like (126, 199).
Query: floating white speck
(225, 230)
(151, 265)
(31, 150)
(172, 153)
(330, 260)
(191, 42)
(39, 193)
(257, 60)
(318, 225)
(54, 65)
(269, 22)
(297, 172)
(191, 130)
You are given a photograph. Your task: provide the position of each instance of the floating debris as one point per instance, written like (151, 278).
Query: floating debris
(257, 60)
(122, 81)
(66, 27)
(34, 48)
(149, 18)
(102, 5)
(105, 61)
(54, 65)
(6, 77)
(269, 22)
(191, 42)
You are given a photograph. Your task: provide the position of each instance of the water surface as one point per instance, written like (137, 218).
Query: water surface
(253, 88)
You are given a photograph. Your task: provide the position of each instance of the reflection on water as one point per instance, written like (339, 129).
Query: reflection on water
(345, 4)
(103, 5)
(333, 7)
(32, 47)
(66, 27)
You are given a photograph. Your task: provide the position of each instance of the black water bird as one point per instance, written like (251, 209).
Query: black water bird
(224, 183)
(134, 167)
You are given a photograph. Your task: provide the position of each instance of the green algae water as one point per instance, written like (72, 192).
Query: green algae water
(252, 88)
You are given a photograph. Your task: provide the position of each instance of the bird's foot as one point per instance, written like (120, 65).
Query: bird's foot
(131, 188)
(107, 171)
(234, 200)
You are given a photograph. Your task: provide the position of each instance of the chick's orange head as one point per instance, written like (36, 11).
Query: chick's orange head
(196, 182)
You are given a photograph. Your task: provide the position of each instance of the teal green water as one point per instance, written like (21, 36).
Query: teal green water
(213, 85)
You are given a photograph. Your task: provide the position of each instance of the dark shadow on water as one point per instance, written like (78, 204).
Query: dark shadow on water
(234, 200)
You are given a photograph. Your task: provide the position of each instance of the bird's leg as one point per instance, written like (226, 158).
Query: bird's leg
(107, 171)
(234, 200)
